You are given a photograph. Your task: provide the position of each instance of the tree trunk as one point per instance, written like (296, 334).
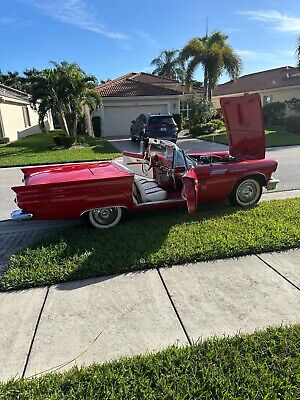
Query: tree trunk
(209, 91)
(74, 126)
(205, 83)
(63, 123)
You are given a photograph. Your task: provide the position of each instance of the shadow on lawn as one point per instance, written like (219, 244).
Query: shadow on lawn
(130, 247)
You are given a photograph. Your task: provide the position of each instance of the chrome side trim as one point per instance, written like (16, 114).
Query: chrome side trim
(95, 208)
(19, 215)
(271, 185)
(161, 202)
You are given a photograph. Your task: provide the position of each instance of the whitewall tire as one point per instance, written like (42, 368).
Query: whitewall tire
(246, 193)
(106, 217)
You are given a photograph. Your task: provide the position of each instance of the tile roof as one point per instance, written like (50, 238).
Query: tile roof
(141, 84)
(13, 93)
(270, 79)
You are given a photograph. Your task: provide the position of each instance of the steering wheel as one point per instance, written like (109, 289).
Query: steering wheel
(147, 165)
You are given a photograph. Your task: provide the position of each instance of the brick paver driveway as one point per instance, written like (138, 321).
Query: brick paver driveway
(14, 236)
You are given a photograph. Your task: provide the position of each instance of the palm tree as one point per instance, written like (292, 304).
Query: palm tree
(13, 80)
(46, 89)
(168, 65)
(64, 89)
(78, 91)
(215, 55)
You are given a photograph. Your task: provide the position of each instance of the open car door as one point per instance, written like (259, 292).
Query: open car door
(245, 127)
(190, 190)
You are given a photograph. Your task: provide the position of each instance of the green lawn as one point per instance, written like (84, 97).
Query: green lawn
(275, 136)
(156, 239)
(264, 365)
(37, 149)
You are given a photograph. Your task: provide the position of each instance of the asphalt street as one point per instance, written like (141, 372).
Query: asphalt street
(288, 171)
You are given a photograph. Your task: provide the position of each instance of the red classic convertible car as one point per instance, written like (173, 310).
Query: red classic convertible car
(161, 176)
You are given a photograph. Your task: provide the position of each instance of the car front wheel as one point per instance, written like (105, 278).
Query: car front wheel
(246, 193)
(106, 217)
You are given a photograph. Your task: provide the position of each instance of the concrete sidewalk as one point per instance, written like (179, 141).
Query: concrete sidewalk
(106, 318)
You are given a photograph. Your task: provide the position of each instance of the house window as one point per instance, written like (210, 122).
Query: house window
(184, 109)
(267, 99)
(26, 117)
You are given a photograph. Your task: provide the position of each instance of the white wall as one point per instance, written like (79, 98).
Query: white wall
(14, 124)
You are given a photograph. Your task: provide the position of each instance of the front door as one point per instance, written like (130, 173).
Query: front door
(190, 190)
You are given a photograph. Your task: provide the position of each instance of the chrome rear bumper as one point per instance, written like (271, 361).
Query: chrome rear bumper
(19, 215)
(271, 185)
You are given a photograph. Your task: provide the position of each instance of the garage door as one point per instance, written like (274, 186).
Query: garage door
(117, 120)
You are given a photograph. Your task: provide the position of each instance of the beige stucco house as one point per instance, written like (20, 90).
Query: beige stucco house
(17, 118)
(278, 84)
(135, 93)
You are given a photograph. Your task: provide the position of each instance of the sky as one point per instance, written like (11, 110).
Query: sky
(111, 38)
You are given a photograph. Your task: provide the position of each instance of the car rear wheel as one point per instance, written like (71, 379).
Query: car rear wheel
(246, 193)
(106, 217)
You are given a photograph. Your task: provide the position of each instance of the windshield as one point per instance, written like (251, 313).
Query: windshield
(179, 156)
(173, 153)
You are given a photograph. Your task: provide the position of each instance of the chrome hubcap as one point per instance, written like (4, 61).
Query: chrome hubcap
(247, 192)
(105, 216)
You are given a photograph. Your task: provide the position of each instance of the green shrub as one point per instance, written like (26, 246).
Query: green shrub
(201, 110)
(96, 122)
(203, 129)
(274, 113)
(292, 124)
(185, 123)
(4, 140)
(63, 140)
(294, 105)
(80, 139)
(178, 120)
(218, 123)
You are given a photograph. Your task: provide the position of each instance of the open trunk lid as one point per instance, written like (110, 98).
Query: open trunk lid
(245, 127)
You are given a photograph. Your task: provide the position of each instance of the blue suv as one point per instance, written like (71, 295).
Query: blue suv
(158, 126)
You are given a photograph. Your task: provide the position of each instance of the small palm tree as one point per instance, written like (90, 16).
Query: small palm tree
(169, 66)
(64, 89)
(78, 91)
(215, 55)
(13, 80)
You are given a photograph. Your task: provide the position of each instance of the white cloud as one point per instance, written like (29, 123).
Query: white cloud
(148, 39)
(6, 21)
(77, 13)
(278, 57)
(280, 21)
(248, 53)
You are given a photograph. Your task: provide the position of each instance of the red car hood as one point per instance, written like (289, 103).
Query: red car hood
(245, 128)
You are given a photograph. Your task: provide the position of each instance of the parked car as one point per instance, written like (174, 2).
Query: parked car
(159, 126)
(160, 177)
